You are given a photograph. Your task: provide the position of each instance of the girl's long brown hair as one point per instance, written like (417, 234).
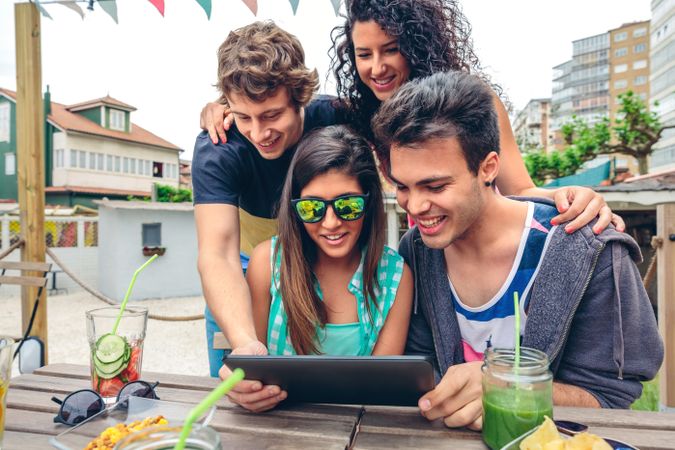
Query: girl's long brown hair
(331, 148)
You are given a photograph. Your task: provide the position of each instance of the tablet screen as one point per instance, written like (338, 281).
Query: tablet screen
(368, 380)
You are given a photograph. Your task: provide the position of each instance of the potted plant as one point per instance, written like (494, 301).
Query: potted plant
(155, 250)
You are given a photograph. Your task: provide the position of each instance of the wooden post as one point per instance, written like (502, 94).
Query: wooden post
(30, 141)
(665, 229)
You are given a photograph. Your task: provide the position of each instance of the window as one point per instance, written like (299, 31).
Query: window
(10, 163)
(157, 169)
(152, 234)
(620, 84)
(641, 64)
(92, 161)
(118, 167)
(639, 81)
(132, 165)
(73, 158)
(83, 159)
(623, 51)
(639, 48)
(58, 157)
(639, 32)
(620, 37)
(117, 120)
(4, 121)
(620, 68)
(125, 165)
(109, 163)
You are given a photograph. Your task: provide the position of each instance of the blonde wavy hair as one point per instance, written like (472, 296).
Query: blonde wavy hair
(257, 59)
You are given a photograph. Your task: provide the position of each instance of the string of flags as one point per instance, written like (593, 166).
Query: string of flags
(110, 6)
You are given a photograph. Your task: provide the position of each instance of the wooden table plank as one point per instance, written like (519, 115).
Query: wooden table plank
(14, 440)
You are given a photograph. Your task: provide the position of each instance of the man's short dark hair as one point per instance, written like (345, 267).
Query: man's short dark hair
(441, 106)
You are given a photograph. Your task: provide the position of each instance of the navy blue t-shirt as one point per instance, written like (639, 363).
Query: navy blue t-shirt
(234, 173)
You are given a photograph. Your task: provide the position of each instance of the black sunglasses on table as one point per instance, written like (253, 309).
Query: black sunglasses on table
(347, 207)
(80, 405)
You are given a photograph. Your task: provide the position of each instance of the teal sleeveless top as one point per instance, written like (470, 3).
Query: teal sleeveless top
(351, 339)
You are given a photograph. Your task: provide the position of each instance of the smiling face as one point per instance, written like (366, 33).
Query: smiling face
(272, 125)
(379, 61)
(435, 186)
(334, 238)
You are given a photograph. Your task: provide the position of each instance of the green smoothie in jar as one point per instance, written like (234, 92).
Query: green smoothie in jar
(514, 400)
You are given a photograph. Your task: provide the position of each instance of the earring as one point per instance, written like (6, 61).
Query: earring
(488, 183)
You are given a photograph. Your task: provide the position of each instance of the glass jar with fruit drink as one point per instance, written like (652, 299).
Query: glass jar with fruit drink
(115, 347)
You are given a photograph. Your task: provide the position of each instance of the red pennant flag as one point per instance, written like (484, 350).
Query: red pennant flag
(159, 4)
(252, 5)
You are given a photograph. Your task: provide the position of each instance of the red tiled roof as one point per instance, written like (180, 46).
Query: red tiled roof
(69, 121)
(95, 190)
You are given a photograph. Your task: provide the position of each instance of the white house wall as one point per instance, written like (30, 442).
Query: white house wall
(120, 253)
(70, 176)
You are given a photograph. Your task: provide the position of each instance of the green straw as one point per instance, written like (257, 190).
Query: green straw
(516, 307)
(222, 389)
(126, 297)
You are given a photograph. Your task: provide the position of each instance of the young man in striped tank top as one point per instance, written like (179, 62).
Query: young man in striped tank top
(581, 297)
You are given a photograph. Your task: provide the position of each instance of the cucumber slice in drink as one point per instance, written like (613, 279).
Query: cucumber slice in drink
(110, 348)
(107, 376)
(109, 368)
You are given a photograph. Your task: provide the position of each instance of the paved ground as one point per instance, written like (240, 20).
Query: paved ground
(175, 347)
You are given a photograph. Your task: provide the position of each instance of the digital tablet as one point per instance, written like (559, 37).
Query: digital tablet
(367, 380)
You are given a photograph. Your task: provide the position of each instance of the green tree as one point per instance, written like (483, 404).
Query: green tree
(167, 194)
(634, 132)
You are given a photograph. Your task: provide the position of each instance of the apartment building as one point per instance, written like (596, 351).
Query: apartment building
(581, 85)
(92, 150)
(531, 125)
(629, 62)
(662, 80)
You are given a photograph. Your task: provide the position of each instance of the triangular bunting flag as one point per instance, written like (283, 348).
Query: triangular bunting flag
(110, 7)
(294, 5)
(252, 5)
(70, 4)
(206, 5)
(336, 5)
(42, 10)
(159, 4)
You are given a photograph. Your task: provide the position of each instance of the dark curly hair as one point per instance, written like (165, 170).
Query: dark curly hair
(433, 36)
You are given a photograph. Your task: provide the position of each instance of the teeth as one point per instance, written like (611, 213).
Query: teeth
(383, 81)
(430, 222)
(268, 143)
(333, 237)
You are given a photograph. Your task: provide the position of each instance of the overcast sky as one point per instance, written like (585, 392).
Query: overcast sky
(166, 66)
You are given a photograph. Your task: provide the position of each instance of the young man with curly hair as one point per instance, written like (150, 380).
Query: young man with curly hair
(263, 79)
(582, 301)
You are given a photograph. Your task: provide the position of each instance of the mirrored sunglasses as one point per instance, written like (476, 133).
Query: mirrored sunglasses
(80, 405)
(347, 207)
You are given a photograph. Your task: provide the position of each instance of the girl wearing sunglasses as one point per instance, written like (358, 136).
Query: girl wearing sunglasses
(327, 284)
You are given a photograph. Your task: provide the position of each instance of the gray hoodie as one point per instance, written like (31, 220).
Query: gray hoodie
(588, 312)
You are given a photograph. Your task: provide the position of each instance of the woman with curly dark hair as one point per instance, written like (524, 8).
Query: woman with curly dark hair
(426, 37)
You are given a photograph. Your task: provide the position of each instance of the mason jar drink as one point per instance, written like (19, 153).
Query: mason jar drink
(515, 399)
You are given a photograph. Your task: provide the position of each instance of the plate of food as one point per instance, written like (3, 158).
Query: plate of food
(105, 429)
(547, 437)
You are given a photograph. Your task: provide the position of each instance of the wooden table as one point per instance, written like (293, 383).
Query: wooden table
(30, 412)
